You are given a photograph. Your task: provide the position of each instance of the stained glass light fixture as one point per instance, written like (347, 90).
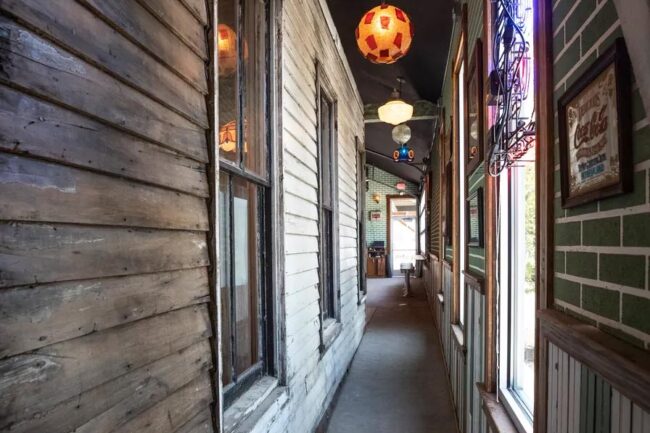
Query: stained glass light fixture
(396, 110)
(227, 50)
(403, 154)
(384, 34)
(228, 137)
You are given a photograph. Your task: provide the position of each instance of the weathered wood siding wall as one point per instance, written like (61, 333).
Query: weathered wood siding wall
(312, 376)
(104, 323)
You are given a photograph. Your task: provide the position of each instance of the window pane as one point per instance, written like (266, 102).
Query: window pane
(523, 333)
(225, 275)
(245, 231)
(461, 187)
(328, 294)
(326, 149)
(228, 83)
(255, 149)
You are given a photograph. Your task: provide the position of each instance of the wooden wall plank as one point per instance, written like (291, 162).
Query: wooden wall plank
(181, 22)
(198, 9)
(133, 21)
(175, 411)
(153, 392)
(37, 381)
(80, 31)
(39, 66)
(41, 191)
(118, 401)
(33, 317)
(201, 423)
(40, 253)
(36, 127)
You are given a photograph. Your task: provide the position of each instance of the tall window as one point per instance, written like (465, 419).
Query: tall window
(244, 195)
(517, 284)
(422, 220)
(328, 191)
(514, 154)
(462, 136)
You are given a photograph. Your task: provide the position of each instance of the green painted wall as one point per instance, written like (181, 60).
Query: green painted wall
(602, 251)
(382, 183)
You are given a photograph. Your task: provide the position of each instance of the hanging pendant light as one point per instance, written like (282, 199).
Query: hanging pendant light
(228, 137)
(396, 110)
(403, 154)
(227, 50)
(384, 34)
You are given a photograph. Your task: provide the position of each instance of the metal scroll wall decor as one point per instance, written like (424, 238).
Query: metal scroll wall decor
(513, 127)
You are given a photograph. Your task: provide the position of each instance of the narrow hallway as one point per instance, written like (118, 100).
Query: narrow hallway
(397, 380)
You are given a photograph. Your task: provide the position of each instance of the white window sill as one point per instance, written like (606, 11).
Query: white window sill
(522, 421)
(331, 330)
(458, 335)
(247, 404)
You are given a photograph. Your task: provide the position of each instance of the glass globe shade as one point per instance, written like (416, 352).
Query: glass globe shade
(401, 134)
(395, 112)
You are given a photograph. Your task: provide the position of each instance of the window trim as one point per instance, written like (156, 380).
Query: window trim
(460, 61)
(521, 416)
(325, 89)
(272, 228)
(362, 286)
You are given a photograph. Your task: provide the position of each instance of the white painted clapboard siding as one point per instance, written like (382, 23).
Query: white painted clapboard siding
(312, 376)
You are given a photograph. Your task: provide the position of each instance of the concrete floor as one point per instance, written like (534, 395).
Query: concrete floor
(396, 383)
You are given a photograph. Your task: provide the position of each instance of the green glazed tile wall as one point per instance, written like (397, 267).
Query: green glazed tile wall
(602, 252)
(382, 183)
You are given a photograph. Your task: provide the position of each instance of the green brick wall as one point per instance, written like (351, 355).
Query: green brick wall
(382, 183)
(602, 252)
(475, 179)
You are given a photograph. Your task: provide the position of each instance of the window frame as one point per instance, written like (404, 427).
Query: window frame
(329, 320)
(459, 301)
(422, 221)
(361, 221)
(520, 414)
(267, 200)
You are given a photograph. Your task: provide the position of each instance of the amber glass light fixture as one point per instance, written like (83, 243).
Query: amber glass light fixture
(384, 34)
(228, 137)
(227, 50)
(396, 110)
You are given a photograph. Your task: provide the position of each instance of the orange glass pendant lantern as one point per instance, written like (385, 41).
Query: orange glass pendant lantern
(384, 34)
(227, 50)
(228, 137)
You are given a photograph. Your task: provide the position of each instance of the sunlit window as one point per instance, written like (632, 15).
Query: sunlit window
(517, 282)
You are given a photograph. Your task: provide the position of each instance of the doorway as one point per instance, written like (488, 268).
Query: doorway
(401, 226)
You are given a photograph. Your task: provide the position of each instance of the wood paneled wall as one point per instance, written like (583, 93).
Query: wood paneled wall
(581, 400)
(104, 324)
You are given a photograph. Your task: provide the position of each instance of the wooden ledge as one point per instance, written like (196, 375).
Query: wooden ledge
(497, 417)
(459, 336)
(475, 281)
(624, 366)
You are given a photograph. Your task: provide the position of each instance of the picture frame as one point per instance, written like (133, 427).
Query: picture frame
(474, 148)
(475, 218)
(595, 131)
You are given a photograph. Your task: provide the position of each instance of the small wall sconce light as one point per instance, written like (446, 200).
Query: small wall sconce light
(376, 197)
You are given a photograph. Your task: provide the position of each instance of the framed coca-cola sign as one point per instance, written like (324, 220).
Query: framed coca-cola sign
(595, 131)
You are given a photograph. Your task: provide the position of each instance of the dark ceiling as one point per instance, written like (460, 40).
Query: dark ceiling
(422, 68)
